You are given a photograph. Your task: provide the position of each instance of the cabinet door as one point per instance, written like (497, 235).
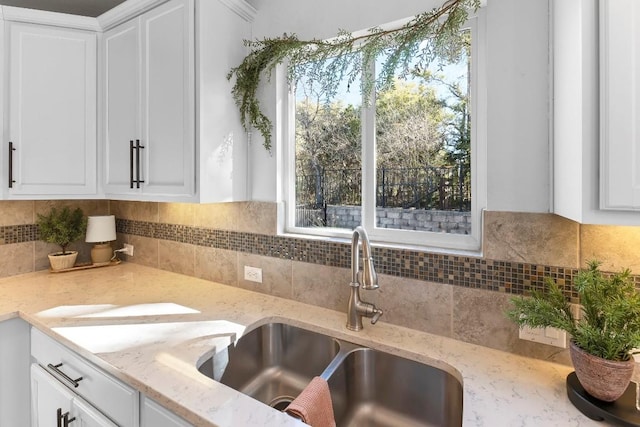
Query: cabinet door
(52, 110)
(620, 112)
(48, 397)
(87, 416)
(168, 99)
(154, 415)
(52, 400)
(122, 103)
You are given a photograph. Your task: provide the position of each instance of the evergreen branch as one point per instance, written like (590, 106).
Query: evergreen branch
(330, 62)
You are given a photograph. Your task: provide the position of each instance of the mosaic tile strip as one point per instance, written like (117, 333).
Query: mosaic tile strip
(18, 234)
(471, 272)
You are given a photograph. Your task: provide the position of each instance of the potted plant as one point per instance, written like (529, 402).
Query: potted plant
(62, 227)
(604, 335)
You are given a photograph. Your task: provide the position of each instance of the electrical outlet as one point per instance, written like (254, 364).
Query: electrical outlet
(550, 336)
(128, 249)
(253, 274)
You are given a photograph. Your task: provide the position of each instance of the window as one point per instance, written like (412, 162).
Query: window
(407, 165)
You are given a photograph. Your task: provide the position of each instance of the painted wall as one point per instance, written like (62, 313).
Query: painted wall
(517, 87)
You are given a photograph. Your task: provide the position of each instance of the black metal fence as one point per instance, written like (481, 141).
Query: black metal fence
(441, 188)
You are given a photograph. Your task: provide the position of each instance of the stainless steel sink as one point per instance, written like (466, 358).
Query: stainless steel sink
(373, 388)
(272, 363)
(275, 362)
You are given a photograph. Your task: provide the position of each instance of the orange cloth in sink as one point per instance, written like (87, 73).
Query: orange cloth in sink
(313, 405)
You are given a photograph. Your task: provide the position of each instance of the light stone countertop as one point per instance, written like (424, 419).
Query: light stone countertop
(150, 328)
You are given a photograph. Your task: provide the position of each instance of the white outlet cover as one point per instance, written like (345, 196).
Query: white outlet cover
(550, 336)
(253, 274)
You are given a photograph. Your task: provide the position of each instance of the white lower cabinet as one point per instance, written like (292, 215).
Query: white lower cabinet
(63, 383)
(14, 373)
(154, 415)
(55, 405)
(99, 396)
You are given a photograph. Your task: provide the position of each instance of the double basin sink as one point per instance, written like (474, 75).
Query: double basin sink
(274, 363)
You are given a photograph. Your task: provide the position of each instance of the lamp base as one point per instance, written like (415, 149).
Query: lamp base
(101, 253)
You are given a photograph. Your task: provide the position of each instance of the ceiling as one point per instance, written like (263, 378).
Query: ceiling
(91, 8)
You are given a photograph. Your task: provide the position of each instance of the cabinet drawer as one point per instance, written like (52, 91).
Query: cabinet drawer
(114, 398)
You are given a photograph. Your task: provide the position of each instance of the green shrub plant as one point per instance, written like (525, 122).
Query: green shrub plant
(609, 323)
(62, 226)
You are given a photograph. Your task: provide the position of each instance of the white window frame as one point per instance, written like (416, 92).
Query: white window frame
(285, 129)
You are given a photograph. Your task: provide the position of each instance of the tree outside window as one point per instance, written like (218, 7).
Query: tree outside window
(422, 150)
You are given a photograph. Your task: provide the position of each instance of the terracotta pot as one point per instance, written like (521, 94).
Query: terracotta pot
(59, 261)
(603, 379)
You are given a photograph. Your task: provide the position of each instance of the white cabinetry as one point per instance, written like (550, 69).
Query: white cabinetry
(14, 373)
(149, 104)
(54, 405)
(154, 415)
(122, 112)
(619, 98)
(223, 25)
(170, 95)
(111, 397)
(50, 117)
(586, 182)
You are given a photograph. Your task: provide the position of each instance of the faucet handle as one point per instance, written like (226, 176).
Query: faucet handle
(376, 315)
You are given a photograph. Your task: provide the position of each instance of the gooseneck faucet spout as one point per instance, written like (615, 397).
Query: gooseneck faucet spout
(367, 279)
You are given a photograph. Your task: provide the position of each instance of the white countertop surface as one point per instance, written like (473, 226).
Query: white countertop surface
(150, 328)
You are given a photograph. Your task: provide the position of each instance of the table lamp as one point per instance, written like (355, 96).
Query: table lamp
(101, 230)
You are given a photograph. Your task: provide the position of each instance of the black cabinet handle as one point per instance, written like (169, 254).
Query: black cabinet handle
(134, 147)
(138, 148)
(62, 420)
(131, 148)
(11, 150)
(68, 421)
(55, 368)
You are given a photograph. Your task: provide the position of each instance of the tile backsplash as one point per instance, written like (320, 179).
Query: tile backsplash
(462, 297)
(471, 272)
(20, 249)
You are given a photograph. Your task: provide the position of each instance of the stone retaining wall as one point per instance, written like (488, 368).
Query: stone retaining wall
(398, 218)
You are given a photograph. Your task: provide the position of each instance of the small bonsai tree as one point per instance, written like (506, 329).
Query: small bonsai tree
(62, 227)
(610, 323)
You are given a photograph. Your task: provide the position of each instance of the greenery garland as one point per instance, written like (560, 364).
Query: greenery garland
(329, 62)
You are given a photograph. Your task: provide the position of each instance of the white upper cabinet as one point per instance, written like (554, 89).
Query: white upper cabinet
(619, 98)
(50, 111)
(149, 104)
(122, 112)
(595, 91)
(222, 28)
(133, 105)
(172, 132)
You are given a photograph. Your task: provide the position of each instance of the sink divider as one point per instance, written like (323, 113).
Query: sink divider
(346, 348)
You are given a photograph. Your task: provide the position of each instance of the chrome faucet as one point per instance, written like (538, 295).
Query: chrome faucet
(368, 280)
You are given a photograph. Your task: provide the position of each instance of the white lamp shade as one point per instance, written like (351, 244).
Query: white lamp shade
(101, 228)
